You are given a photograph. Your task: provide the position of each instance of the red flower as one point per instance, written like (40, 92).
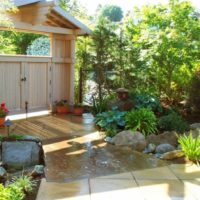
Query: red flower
(3, 105)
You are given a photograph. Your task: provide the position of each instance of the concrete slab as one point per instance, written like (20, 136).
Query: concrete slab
(186, 171)
(78, 190)
(193, 186)
(164, 190)
(157, 173)
(116, 189)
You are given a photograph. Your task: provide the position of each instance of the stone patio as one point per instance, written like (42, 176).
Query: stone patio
(81, 166)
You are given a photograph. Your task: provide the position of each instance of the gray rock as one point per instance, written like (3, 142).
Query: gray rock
(150, 148)
(163, 148)
(38, 170)
(129, 138)
(172, 155)
(108, 139)
(3, 173)
(166, 137)
(20, 154)
(195, 126)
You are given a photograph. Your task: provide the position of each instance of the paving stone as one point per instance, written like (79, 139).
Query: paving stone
(193, 186)
(186, 171)
(78, 190)
(116, 189)
(155, 173)
(164, 190)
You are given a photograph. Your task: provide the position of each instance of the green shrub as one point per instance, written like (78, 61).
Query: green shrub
(24, 182)
(98, 106)
(173, 122)
(190, 146)
(110, 121)
(12, 192)
(144, 100)
(39, 47)
(143, 120)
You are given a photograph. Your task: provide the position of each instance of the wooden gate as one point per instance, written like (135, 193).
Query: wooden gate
(39, 80)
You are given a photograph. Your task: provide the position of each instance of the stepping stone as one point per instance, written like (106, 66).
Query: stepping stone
(78, 190)
(186, 171)
(116, 189)
(158, 173)
(164, 190)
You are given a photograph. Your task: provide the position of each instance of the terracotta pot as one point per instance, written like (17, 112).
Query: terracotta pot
(2, 120)
(62, 109)
(78, 110)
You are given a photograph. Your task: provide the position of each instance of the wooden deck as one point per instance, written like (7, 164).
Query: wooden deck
(50, 127)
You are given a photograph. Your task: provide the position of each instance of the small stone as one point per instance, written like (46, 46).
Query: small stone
(150, 148)
(195, 133)
(163, 148)
(38, 170)
(3, 173)
(172, 155)
(108, 139)
(195, 126)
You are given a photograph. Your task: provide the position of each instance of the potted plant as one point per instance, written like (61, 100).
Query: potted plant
(62, 107)
(78, 109)
(3, 112)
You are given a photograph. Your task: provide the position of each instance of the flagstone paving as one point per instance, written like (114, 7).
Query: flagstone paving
(81, 166)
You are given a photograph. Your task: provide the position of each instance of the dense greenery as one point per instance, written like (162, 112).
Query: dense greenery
(142, 120)
(17, 189)
(110, 121)
(190, 146)
(173, 122)
(145, 100)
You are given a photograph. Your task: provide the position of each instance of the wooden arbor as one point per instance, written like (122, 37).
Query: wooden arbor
(41, 80)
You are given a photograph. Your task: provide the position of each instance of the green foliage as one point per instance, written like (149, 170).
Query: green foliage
(110, 121)
(111, 12)
(16, 137)
(12, 192)
(24, 182)
(145, 100)
(194, 92)
(190, 146)
(4, 6)
(165, 43)
(39, 47)
(16, 42)
(99, 106)
(142, 120)
(173, 122)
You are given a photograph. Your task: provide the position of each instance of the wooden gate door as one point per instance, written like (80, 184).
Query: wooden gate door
(35, 90)
(10, 86)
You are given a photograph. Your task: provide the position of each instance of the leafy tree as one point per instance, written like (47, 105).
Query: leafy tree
(166, 39)
(111, 12)
(6, 6)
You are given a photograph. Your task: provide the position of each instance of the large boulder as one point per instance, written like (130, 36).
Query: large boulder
(166, 137)
(20, 154)
(164, 148)
(130, 138)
